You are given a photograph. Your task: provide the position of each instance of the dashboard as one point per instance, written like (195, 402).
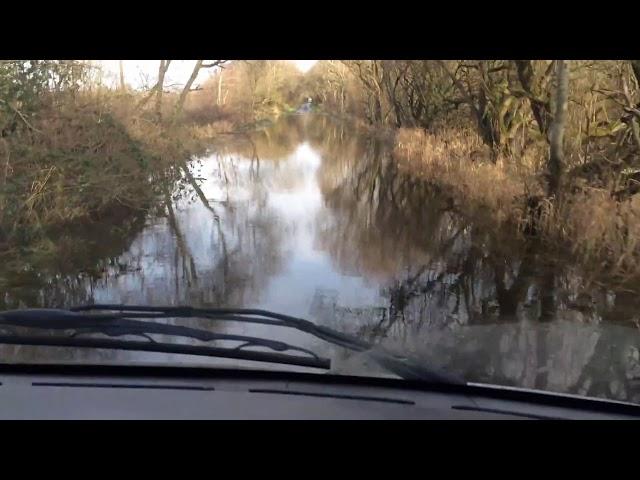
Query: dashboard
(178, 393)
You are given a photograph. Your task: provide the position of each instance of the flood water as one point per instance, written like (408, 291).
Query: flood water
(309, 217)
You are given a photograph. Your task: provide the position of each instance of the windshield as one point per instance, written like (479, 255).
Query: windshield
(320, 218)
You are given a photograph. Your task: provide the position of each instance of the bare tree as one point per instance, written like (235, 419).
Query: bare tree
(187, 87)
(219, 101)
(633, 111)
(158, 88)
(122, 85)
(534, 90)
(162, 70)
(635, 65)
(370, 73)
(555, 165)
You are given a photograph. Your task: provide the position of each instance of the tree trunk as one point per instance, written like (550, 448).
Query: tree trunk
(378, 70)
(635, 65)
(377, 110)
(478, 103)
(185, 91)
(219, 87)
(555, 165)
(539, 107)
(490, 135)
(122, 85)
(164, 66)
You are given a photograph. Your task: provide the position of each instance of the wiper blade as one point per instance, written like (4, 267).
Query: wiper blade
(156, 347)
(401, 366)
(115, 325)
(119, 320)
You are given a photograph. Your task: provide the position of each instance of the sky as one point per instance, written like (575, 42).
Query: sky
(140, 73)
(304, 65)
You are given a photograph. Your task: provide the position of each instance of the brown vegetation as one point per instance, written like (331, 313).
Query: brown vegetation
(74, 150)
(551, 147)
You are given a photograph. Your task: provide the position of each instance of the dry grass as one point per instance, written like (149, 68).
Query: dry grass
(600, 231)
(602, 234)
(89, 156)
(456, 160)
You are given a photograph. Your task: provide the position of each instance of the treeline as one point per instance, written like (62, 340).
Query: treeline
(553, 146)
(512, 105)
(250, 90)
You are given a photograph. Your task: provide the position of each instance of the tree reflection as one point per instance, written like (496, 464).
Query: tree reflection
(445, 276)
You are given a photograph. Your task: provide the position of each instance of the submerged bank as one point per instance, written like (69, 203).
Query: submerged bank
(92, 159)
(599, 232)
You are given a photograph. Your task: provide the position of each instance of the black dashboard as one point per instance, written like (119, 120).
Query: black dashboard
(110, 392)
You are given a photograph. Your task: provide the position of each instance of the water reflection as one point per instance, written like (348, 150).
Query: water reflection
(312, 218)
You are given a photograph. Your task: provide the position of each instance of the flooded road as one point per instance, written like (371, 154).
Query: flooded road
(311, 218)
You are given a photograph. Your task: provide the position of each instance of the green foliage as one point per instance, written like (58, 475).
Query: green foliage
(23, 82)
(24, 85)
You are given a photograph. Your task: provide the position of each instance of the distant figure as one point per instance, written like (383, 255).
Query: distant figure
(305, 107)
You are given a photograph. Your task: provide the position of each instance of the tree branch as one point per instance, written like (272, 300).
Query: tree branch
(215, 63)
(22, 117)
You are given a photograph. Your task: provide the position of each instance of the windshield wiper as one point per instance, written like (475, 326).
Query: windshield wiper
(122, 320)
(115, 325)
(157, 347)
